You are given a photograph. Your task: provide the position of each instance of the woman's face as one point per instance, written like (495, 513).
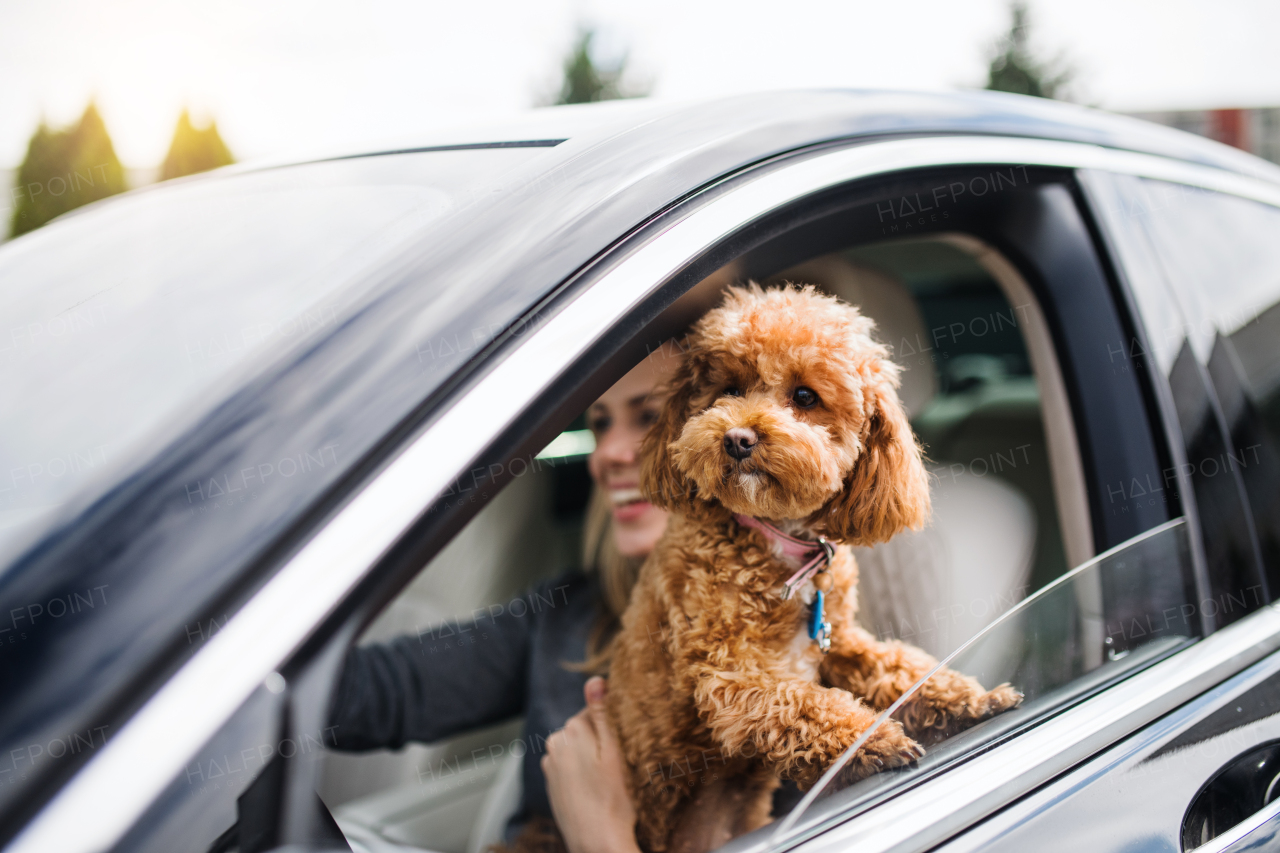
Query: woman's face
(620, 419)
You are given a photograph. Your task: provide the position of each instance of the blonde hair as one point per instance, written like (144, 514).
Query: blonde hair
(615, 575)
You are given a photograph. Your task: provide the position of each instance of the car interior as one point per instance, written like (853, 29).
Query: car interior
(986, 398)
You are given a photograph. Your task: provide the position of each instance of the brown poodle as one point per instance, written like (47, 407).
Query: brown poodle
(783, 430)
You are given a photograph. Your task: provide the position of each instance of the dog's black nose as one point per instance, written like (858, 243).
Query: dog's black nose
(739, 442)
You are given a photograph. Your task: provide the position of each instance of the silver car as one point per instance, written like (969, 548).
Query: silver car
(254, 418)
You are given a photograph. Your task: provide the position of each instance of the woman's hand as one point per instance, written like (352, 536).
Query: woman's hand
(586, 781)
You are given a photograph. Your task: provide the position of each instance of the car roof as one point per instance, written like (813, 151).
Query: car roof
(808, 117)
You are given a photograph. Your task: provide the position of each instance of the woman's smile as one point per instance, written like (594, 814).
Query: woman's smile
(628, 504)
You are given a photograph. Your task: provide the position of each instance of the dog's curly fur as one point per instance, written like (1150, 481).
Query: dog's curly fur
(716, 690)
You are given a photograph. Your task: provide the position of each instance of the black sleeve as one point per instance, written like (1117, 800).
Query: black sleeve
(426, 687)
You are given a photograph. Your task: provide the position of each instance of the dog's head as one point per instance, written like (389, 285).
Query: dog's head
(786, 408)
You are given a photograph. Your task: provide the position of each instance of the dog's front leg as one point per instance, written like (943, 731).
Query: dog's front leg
(797, 728)
(947, 703)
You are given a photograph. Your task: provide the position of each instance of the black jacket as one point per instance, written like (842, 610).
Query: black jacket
(503, 662)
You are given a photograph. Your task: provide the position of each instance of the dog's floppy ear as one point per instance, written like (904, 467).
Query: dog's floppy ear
(888, 489)
(660, 482)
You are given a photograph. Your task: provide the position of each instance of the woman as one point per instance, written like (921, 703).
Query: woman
(395, 692)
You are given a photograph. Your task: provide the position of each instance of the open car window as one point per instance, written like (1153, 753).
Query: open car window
(986, 360)
(1108, 617)
(972, 351)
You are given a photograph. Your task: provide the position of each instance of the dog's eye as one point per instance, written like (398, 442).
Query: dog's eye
(731, 391)
(804, 397)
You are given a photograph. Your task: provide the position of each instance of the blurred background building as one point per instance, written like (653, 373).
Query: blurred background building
(1254, 130)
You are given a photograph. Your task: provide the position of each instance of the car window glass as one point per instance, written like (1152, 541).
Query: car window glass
(1128, 589)
(1205, 270)
(126, 314)
(1221, 254)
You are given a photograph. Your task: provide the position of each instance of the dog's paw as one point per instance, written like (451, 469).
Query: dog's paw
(888, 747)
(934, 718)
(996, 701)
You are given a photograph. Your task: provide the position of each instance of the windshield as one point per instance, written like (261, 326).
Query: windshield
(123, 316)
(1104, 619)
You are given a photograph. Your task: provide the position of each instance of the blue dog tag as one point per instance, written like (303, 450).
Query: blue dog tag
(819, 627)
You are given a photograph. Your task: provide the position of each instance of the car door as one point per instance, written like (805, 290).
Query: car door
(274, 662)
(1204, 270)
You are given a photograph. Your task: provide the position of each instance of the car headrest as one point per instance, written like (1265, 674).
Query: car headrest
(887, 300)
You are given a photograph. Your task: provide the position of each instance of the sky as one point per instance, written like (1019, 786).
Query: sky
(290, 75)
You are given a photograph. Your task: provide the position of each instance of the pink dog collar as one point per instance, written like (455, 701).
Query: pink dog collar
(819, 553)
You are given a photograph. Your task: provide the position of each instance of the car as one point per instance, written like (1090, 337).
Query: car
(257, 416)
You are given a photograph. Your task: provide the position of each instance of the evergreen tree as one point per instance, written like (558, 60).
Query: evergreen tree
(194, 150)
(585, 81)
(64, 169)
(1014, 69)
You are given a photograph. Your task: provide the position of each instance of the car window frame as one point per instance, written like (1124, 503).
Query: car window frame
(314, 591)
(1082, 279)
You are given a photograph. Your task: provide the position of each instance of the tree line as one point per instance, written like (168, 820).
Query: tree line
(68, 167)
(76, 165)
